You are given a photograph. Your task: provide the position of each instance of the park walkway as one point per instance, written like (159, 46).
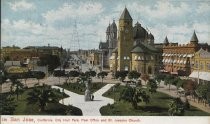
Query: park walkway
(88, 108)
(173, 92)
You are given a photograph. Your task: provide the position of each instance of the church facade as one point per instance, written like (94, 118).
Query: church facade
(134, 48)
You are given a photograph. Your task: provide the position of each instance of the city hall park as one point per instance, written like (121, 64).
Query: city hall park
(23, 108)
(158, 106)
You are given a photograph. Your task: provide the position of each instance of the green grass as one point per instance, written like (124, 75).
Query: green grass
(158, 106)
(33, 109)
(80, 88)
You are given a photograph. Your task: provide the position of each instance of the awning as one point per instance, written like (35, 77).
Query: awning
(174, 61)
(201, 75)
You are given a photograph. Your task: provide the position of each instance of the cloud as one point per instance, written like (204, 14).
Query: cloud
(182, 33)
(21, 5)
(203, 8)
(84, 10)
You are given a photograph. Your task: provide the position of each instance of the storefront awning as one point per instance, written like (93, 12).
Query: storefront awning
(201, 75)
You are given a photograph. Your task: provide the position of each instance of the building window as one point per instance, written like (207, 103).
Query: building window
(126, 68)
(208, 66)
(201, 66)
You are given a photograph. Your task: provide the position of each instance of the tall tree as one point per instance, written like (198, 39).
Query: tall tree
(134, 95)
(17, 87)
(42, 95)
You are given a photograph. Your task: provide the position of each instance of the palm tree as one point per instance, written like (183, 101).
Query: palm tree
(17, 87)
(42, 96)
(134, 95)
(176, 107)
(102, 75)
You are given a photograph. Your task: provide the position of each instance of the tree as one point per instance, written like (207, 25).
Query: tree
(73, 74)
(3, 78)
(19, 87)
(52, 61)
(159, 78)
(102, 75)
(178, 82)
(133, 75)
(7, 105)
(189, 86)
(152, 86)
(176, 107)
(91, 73)
(42, 96)
(121, 75)
(83, 77)
(168, 80)
(39, 75)
(134, 95)
(202, 91)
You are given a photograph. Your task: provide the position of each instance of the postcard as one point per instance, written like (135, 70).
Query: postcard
(105, 62)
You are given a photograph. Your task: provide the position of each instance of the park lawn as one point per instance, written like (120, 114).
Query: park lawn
(80, 88)
(23, 108)
(158, 106)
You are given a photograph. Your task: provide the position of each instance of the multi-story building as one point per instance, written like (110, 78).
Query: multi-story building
(177, 59)
(110, 44)
(94, 57)
(135, 48)
(201, 65)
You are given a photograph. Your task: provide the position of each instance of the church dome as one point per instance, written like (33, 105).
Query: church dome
(139, 32)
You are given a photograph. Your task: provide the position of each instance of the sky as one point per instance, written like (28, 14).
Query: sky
(82, 23)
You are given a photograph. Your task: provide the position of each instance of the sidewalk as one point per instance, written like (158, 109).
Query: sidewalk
(89, 108)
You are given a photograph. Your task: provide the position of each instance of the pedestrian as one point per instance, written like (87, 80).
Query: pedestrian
(92, 97)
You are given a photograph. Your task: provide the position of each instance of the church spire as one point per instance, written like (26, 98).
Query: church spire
(194, 38)
(125, 15)
(166, 41)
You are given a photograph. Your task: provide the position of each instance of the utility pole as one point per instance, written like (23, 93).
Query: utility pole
(102, 60)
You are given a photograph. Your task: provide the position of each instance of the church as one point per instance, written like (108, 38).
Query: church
(130, 47)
